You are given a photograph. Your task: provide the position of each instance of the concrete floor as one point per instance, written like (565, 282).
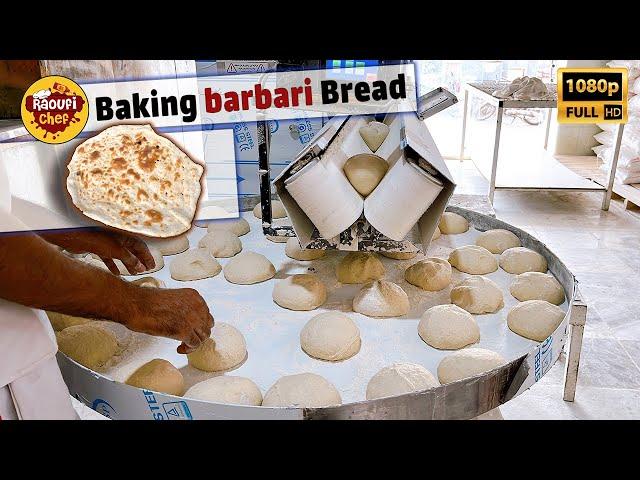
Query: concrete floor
(603, 250)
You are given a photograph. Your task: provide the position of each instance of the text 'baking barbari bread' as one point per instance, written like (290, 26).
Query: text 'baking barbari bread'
(131, 178)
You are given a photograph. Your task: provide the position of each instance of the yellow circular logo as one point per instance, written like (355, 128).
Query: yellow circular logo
(55, 109)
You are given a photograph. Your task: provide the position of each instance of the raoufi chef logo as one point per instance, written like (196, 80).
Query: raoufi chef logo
(55, 109)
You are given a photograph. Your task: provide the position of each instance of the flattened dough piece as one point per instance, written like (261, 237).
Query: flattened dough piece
(158, 375)
(473, 259)
(293, 250)
(520, 260)
(226, 389)
(448, 327)
(248, 268)
(223, 350)
(170, 246)
(194, 264)
(452, 223)
(304, 390)
(87, 344)
(398, 379)
(149, 282)
(467, 363)
(237, 226)
(537, 286)
(359, 267)
(330, 336)
(381, 298)
(277, 210)
(498, 240)
(303, 291)
(431, 274)
(221, 243)
(477, 295)
(535, 319)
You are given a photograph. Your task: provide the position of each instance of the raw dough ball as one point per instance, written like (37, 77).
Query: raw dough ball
(303, 291)
(305, 390)
(359, 267)
(149, 282)
(498, 240)
(277, 238)
(374, 134)
(436, 234)
(364, 172)
(221, 243)
(431, 274)
(249, 267)
(520, 260)
(473, 259)
(293, 250)
(535, 319)
(158, 375)
(330, 336)
(399, 255)
(171, 246)
(194, 265)
(448, 327)
(60, 321)
(224, 350)
(87, 344)
(381, 299)
(96, 261)
(277, 210)
(398, 379)
(226, 389)
(467, 363)
(477, 295)
(453, 223)
(537, 286)
(237, 226)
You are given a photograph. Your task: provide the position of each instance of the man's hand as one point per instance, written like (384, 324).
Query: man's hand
(108, 245)
(181, 314)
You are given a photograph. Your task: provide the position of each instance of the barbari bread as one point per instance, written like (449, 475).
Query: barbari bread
(131, 178)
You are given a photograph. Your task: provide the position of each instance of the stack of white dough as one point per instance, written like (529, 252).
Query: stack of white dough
(524, 88)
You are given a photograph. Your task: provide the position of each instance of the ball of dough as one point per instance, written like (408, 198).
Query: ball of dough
(330, 336)
(96, 261)
(158, 375)
(381, 298)
(226, 389)
(399, 255)
(448, 327)
(305, 390)
(477, 295)
(221, 243)
(60, 321)
(436, 234)
(248, 268)
(498, 240)
(171, 246)
(398, 379)
(365, 171)
(473, 259)
(467, 363)
(277, 238)
(293, 250)
(451, 223)
(431, 274)
(374, 134)
(87, 344)
(237, 226)
(303, 291)
(520, 260)
(223, 350)
(277, 210)
(359, 267)
(149, 282)
(194, 265)
(537, 286)
(535, 319)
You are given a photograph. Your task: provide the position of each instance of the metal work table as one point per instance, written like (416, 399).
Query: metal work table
(551, 175)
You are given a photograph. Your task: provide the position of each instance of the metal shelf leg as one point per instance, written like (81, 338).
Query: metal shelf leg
(577, 322)
(464, 124)
(496, 148)
(606, 200)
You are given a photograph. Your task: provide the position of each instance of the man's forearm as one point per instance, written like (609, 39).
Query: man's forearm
(35, 274)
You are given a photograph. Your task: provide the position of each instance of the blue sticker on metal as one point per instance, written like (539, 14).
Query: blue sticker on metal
(102, 407)
(543, 359)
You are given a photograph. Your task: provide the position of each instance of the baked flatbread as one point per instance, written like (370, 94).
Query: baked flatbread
(131, 178)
